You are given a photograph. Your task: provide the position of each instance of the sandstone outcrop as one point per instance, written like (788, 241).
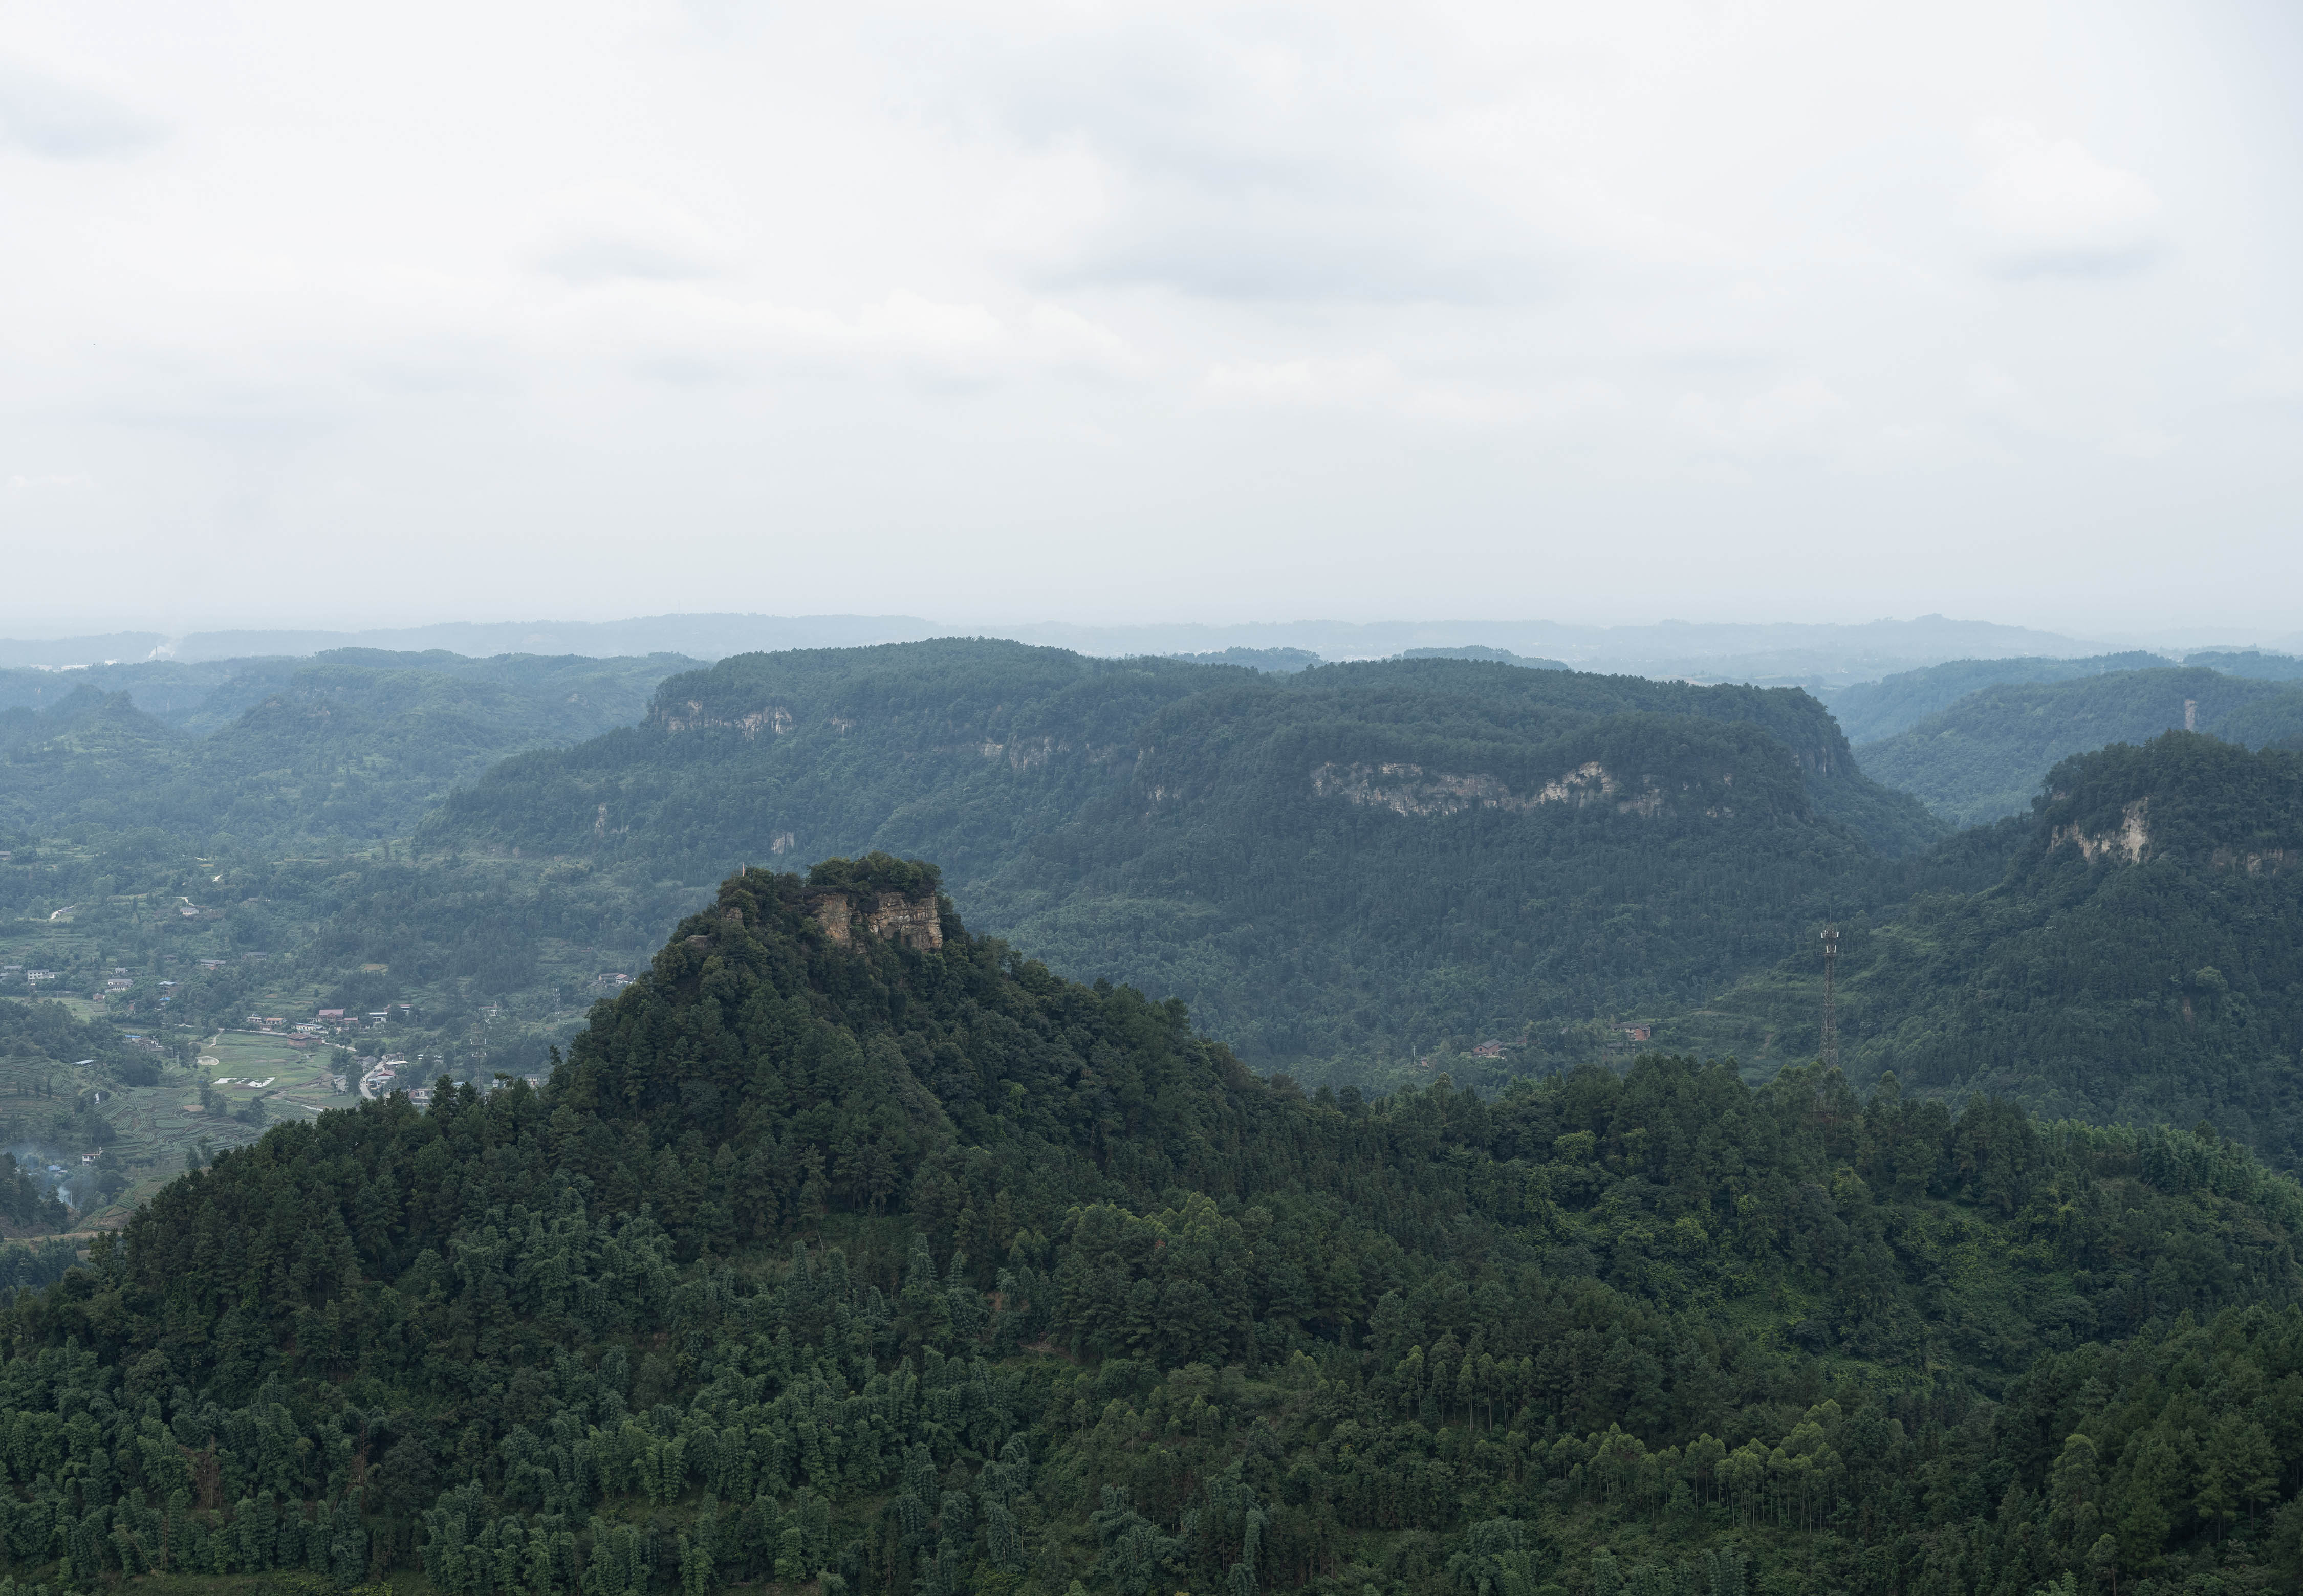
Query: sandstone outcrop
(914, 922)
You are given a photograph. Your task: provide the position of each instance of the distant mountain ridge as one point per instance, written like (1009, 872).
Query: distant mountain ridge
(1311, 859)
(1869, 711)
(699, 636)
(1813, 654)
(1766, 652)
(282, 745)
(1985, 756)
(2141, 959)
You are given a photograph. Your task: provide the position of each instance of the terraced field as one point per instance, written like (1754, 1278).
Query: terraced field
(155, 1127)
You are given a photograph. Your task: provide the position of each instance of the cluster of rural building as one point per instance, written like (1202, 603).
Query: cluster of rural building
(326, 1022)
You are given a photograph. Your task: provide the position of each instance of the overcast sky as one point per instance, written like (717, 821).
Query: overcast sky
(1098, 311)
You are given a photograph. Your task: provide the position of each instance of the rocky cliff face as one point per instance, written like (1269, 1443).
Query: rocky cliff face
(912, 920)
(772, 718)
(2130, 842)
(1410, 789)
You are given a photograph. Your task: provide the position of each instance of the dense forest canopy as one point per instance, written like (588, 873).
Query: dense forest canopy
(880, 718)
(1356, 872)
(895, 1268)
(2139, 958)
(1204, 832)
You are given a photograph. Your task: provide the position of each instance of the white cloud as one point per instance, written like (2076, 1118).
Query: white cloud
(41, 114)
(1258, 287)
(2056, 209)
(1344, 380)
(1795, 415)
(608, 257)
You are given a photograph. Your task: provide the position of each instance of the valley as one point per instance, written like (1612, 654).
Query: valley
(1362, 874)
(958, 1117)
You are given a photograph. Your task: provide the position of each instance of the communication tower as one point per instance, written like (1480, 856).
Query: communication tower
(1830, 1019)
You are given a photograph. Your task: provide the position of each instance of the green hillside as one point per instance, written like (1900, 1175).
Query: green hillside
(2248, 661)
(848, 1252)
(186, 846)
(1479, 650)
(196, 697)
(1985, 756)
(1870, 710)
(204, 695)
(1355, 861)
(2139, 961)
(357, 744)
(1385, 856)
(1281, 660)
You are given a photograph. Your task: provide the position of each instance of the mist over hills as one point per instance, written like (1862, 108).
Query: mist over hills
(1987, 753)
(699, 636)
(1870, 710)
(356, 743)
(1766, 652)
(1817, 656)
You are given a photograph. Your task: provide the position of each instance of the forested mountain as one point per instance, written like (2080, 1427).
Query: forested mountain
(1985, 756)
(973, 746)
(2248, 661)
(1870, 711)
(354, 744)
(849, 1249)
(2141, 958)
(1475, 650)
(1364, 857)
(1282, 660)
(189, 696)
(1343, 870)
(207, 696)
(1390, 854)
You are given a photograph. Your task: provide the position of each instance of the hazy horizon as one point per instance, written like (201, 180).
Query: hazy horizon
(1816, 652)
